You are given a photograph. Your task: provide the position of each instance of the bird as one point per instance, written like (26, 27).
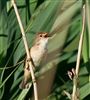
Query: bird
(37, 53)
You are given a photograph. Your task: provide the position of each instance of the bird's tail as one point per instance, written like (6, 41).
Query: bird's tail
(24, 84)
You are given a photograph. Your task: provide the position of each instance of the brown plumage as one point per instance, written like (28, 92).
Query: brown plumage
(37, 53)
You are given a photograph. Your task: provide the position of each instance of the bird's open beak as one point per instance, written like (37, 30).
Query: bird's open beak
(51, 37)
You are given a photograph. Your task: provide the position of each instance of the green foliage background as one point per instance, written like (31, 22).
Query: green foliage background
(60, 17)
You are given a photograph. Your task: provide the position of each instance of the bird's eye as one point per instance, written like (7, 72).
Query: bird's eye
(40, 35)
(45, 35)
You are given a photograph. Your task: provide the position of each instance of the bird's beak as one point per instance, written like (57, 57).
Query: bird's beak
(51, 37)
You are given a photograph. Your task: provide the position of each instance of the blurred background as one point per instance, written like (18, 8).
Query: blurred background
(60, 17)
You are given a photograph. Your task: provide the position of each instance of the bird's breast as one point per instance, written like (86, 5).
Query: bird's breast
(37, 55)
